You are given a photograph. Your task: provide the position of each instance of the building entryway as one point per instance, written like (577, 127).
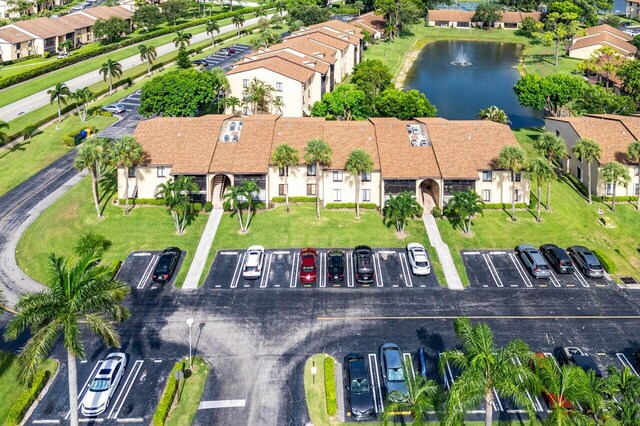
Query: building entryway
(428, 194)
(219, 185)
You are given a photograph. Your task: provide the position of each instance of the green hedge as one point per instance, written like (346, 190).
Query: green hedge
(503, 206)
(166, 400)
(330, 386)
(622, 198)
(365, 206)
(70, 138)
(28, 397)
(606, 263)
(143, 201)
(294, 199)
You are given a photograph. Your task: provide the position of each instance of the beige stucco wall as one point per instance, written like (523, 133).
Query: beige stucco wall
(632, 9)
(587, 52)
(146, 179)
(501, 187)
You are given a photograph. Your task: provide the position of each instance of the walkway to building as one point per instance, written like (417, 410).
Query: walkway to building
(444, 254)
(202, 252)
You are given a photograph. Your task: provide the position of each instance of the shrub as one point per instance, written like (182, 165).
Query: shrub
(606, 263)
(623, 198)
(330, 386)
(436, 212)
(197, 207)
(166, 400)
(28, 397)
(364, 206)
(208, 206)
(294, 199)
(503, 206)
(30, 130)
(143, 201)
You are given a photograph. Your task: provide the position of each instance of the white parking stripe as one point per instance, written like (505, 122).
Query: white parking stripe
(265, 276)
(373, 382)
(492, 270)
(141, 254)
(228, 253)
(376, 262)
(378, 383)
(293, 281)
(226, 403)
(469, 253)
(623, 359)
(349, 261)
(322, 272)
(497, 252)
(148, 271)
(238, 271)
(407, 358)
(282, 252)
(84, 387)
(406, 269)
(521, 270)
(554, 279)
(124, 391)
(536, 404)
(581, 278)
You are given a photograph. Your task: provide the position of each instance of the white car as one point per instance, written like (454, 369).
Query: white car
(418, 259)
(104, 384)
(115, 108)
(253, 263)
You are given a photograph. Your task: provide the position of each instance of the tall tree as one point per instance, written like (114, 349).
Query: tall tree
(82, 97)
(358, 162)
(127, 153)
(559, 28)
(111, 69)
(79, 291)
(633, 154)
(589, 151)
(284, 156)
(182, 39)
(110, 30)
(512, 158)
(148, 54)
(488, 14)
(486, 370)
(604, 61)
(250, 189)
(175, 9)
(397, 210)
(147, 16)
(493, 113)
(176, 194)
(403, 105)
(464, 206)
(629, 73)
(318, 154)
(372, 77)
(346, 101)
(615, 174)
(259, 95)
(281, 7)
(234, 195)
(550, 146)
(238, 22)
(4, 138)
(551, 93)
(93, 156)
(540, 171)
(59, 94)
(212, 26)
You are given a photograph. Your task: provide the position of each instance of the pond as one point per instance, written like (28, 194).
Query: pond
(460, 91)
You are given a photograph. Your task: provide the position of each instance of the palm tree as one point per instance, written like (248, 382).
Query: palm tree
(127, 153)
(259, 95)
(588, 150)
(540, 172)
(238, 21)
(93, 155)
(182, 39)
(512, 158)
(397, 210)
(176, 194)
(3, 135)
(66, 45)
(493, 113)
(234, 196)
(359, 161)
(212, 26)
(615, 174)
(260, 13)
(281, 7)
(278, 104)
(79, 291)
(82, 97)
(549, 146)
(232, 102)
(359, 5)
(250, 188)
(465, 205)
(59, 93)
(148, 53)
(109, 70)
(486, 370)
(284, 156)
(633, 154)
(317, 153)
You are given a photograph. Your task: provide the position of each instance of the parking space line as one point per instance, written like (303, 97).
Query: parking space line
(126, 388)
(379, 280)
(581, 278)
(536, 404)
(238, 271)
(497, 252)
(497, 401)
(322, 279)
(407, 358)
(373, 383)
(265, 276)
(228, 253)
(84, 387)
(448, 380)
(492, 270)
(554, 279)
(521, 271)
(623, 359)
(141, 254)
(293, 281)
(281, 252)
(405, 266)
(350, 278)
(148, 272)
(469, 253)
(377, 383)
(46, 422)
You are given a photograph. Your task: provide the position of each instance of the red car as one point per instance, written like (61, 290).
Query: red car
(540, 361)
(308, 265)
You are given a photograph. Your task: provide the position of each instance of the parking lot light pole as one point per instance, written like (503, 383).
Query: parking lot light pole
(190, 323)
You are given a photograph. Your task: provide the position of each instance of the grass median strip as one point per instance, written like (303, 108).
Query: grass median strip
(180, 400)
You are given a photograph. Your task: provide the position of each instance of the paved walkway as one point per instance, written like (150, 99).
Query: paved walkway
(202, 252)
(444, 254)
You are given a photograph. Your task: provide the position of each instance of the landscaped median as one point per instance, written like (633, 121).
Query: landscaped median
(320, 390)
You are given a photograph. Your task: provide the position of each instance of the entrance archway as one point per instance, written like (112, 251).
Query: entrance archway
(429, 194)
(219, 184)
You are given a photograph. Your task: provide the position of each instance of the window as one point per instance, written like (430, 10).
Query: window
(245, 82)
(366, 176)
(579, 173)
(366, 195)
(337, 175)
(311, 169)
(337, 195)
(282, 171)
(245, 110)
(518, 176)
(131, 172)
(518, 195)
(487, 176)
(636, 189)
(281, 189)
(162, 172)
(609, 189)
(486, 195)
(311, 189)
(278, 87)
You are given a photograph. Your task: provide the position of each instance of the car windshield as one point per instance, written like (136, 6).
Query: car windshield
(250, 268)
(99, 385)
(163, 265)
(422, 264)
(543, 267)
(396, 375)
(595, 267)
(309, 268)
(359, 385)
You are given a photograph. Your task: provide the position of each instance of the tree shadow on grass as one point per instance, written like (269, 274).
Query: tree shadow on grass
(574, 184)
(108, 186)
(17, 147)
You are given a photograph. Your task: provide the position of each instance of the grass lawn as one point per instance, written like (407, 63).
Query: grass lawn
(27, 158)
(190, 390)
(59, 227)
(540, 59)
(10, 386)
(570, 221)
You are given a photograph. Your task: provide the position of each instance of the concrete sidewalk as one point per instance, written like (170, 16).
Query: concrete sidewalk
(202, 252)
(444, 254)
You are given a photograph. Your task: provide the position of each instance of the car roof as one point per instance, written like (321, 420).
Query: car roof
(581, 249)
(414, 246)
(357, 368)
(526, 247)
(393, 355)
(362, 248)
(335, 253)
(549, 247)
(308, 259)
(171, 250)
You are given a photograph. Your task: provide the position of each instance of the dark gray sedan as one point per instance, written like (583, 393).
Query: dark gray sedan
(391, 364)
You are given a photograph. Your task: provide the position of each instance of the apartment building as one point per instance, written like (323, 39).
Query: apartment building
(614, 134)
(464, 19)
(372, 23)
(583, 47)
(431, 157)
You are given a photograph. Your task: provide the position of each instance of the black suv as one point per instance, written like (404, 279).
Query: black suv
(586, 261)
(335, 266)
(558, 258)
(363, 265)
(166, 265)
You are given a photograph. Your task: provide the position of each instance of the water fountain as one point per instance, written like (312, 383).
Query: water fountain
(461, 59)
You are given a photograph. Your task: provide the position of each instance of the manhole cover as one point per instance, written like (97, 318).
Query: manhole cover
(629, 280)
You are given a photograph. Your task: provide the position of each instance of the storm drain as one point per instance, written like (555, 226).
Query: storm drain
(629, 280)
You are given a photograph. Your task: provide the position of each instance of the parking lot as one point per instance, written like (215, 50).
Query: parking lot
(138, 268)
(224, 60)
(503, 268)
(281, 270)
(130, 118)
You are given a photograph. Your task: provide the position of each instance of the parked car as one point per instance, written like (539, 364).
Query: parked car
(586, 261)
(104, 384)
(166, 266)
(539, 360)
(565, 354)
(422, 362)
(418, 259)
(395, 382)
(576, 356)
(357, 387)
(114, 108)
(62, 54)
(558, 258)
(231, 50)
(252, 267)
(533, 261)
(335, 266)
(308, 265)
(223, 52)
(363, 265)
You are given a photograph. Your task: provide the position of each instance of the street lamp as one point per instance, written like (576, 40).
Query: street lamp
(190, 323)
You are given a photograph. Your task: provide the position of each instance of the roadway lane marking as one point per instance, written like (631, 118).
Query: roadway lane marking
(148, 272)
(376, 262)
(481, 317)
(521, 270)
(84, 387)
(126, 388)
(404, 262)
(492, 270)
(265, 277)
(223, 403)
(293, 281)
(238, 271)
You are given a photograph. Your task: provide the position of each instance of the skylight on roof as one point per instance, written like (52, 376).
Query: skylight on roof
(416, 135)
(231, 131)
